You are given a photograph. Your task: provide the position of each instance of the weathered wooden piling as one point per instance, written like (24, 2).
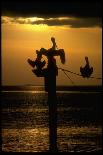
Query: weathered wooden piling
(49, 75)
(52, 102)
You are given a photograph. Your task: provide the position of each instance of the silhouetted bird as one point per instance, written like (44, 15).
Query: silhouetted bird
(38, 63)
(86, 71)
(50, 53)
(54, 43)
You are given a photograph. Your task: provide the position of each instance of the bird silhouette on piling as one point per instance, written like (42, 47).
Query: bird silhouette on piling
(86, 71)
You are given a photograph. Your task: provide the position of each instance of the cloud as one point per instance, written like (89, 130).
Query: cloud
(72, 22)
(47, 9)
(68, 21)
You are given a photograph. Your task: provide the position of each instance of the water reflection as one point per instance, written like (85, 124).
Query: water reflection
(25, 140)
(25, 122)
(70, 139)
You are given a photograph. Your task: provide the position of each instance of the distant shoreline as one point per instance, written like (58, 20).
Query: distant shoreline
(58, 88)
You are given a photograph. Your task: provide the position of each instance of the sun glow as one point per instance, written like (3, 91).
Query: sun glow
(41, 27)
(35, 19)
(21, 37)
(20, 20)
(25, 23)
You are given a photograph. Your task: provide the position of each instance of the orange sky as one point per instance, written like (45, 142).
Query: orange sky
(20, 40)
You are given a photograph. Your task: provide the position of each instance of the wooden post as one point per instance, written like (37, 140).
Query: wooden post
(52, 102)
(49, 75)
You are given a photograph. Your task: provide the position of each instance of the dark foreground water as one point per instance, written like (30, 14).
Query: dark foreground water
(25, 121)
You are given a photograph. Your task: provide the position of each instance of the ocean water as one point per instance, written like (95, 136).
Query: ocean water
(25, 121)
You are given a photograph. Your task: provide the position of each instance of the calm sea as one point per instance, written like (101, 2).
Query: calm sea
(25, 120)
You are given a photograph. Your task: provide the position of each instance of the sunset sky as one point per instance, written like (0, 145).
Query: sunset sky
(26, 27)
